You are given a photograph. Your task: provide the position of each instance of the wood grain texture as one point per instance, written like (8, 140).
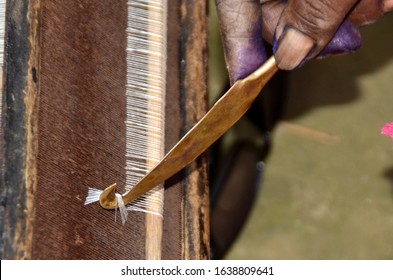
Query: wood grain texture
(194, 106)
(19, 124)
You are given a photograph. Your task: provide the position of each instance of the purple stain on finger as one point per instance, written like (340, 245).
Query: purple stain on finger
(246, 58)
(247, 51)
(346, 40)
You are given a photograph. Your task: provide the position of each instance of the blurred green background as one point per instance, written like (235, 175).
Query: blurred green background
(328, 186)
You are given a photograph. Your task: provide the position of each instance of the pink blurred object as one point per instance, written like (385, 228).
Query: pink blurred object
(387, 130)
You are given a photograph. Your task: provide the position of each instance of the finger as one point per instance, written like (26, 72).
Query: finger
(271, 12)
(306, 27)
(241, 29)
(368, 11)
(347, 39)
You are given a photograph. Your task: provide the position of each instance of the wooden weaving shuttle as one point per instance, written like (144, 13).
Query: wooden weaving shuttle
(225, 113)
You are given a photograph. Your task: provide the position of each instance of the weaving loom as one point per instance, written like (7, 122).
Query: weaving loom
(74, 75)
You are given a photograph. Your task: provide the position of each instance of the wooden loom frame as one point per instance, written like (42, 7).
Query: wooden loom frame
(187, 60)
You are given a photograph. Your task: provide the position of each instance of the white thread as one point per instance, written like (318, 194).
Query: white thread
(93, 195)
(2, 33)
(145, 97)
(122, 208)
(146, 77)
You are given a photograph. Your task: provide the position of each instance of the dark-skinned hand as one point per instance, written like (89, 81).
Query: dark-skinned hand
(298, 30)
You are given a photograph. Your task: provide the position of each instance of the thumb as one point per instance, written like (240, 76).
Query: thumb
(306, 27)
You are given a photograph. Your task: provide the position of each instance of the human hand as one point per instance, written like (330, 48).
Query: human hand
(299, 30)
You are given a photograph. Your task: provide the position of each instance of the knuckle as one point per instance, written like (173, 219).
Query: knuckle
(316, 17)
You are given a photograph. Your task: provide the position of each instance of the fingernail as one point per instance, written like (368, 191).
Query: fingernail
(388, 6)
(293, 48)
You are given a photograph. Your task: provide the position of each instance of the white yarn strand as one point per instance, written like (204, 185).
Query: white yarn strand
(145, 108)
(145, 97)
(93, 195)
(122, 208)
(2, 34)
